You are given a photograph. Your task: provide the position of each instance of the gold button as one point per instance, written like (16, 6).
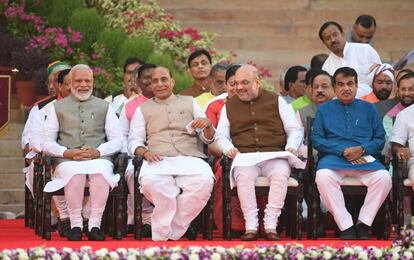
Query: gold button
(253, 113)
(256, 139)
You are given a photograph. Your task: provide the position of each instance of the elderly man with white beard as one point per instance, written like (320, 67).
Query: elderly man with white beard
(82, 132)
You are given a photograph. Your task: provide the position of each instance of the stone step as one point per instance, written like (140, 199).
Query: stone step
(11, 164)
(16, 208)
(14, 133)
(363, 6)
(250, 31)
(12, 196)
(192, 14)
(17, 115)
(10, 148)
(229, 4)
(12, 181)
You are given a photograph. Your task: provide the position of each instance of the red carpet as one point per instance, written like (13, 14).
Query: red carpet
(13, 234)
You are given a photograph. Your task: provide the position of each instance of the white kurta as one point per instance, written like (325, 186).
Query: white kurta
(66, 170)
(38, 122)
(27, 126)
(403, 130)
(179, 165)
(118, 103)
(356, 56)
(293, 129)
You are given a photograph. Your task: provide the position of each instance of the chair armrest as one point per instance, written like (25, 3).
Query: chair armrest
(137, 162)
(120, 163)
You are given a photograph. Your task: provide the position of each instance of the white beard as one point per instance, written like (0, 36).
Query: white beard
(82, 96)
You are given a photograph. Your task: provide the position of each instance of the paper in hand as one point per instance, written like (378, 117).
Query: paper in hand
(191, 130)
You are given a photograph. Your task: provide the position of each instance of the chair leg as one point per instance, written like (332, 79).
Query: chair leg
(138, 214)
(387, 220)
(208, 218)
(46, 212)
(315, 206)
(400, 211)
(39, 211)
(226, 213)
(299, 221)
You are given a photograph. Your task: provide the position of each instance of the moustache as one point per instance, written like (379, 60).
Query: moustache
(320, 95)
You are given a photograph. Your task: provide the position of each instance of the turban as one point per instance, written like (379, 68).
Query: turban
(57, 66)
(385, 68)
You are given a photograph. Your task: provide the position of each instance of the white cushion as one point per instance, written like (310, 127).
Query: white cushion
(264, 182)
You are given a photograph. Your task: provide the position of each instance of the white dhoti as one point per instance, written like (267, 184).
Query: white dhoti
(276, 166)
(179, 187)
(329, 185)
(146, 205)
(72, 176)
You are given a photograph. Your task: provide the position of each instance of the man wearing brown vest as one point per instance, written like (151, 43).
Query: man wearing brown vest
(82, 132)
(255, 121)
(165, 131)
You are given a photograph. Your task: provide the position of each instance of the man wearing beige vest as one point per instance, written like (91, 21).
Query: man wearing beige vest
(254, 121)
(82, 132)
(164, 130)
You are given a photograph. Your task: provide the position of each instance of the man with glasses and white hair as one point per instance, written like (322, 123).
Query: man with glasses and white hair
(82, 132)
(256, 120)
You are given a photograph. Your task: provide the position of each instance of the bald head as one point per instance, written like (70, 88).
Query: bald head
(247, 82)
(162, 83)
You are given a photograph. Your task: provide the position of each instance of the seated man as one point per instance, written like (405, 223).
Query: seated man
(119, 99)
(218, 86)
(381, 78)
(295, 83)
(402, 138)
(348, 134)
(199, 66)
(82, 132)
(164, 131)
(321, 90)
(257, 120)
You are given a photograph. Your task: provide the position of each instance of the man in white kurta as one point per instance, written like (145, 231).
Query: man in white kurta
(32, 133)
(165, 131)
(256, 121)
(82, 132)
(347, 54)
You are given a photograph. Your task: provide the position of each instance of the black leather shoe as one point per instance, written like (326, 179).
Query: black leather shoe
(75, 234)
(362, 232)
(147, 232)
(348, 234)
(130, 229)
(63, 227)
(271, 236)
(96, 235)
(191, 233)
(249, 236)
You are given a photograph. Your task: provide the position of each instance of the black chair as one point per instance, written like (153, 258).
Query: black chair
(114, 210)
(404, 188)
(292, 211)
(354, 194)
(206, 214)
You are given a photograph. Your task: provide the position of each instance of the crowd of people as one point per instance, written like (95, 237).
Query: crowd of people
(352, 95)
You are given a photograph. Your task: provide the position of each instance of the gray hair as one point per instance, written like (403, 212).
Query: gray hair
(80, 67)
(218, 67)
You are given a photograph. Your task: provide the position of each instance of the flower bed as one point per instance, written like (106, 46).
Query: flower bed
(290, 251)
